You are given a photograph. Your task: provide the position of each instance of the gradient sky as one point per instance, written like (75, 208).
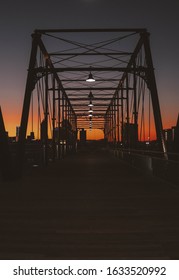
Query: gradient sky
(19, 18)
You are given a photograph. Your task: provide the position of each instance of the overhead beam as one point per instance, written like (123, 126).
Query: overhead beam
(86, 88)
(137, 30)
(90, 69)
(97, 80)
(87, 99)
(85, 114)
(92, 88)
(103, 110)
(85, 105)
(89, 54)
(80, 94)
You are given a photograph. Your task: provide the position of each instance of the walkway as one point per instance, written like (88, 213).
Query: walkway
(89, 206)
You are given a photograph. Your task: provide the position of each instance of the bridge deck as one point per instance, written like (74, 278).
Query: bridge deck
(89, 206)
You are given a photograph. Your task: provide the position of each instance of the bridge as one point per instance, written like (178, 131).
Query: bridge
(64, 197)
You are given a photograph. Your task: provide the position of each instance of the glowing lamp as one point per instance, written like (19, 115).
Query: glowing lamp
(90, 78)
(90, 104)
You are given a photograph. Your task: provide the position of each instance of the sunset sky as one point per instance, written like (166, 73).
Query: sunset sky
(19, 18)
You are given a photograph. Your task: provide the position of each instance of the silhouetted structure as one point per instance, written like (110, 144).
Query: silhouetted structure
(130, 135)
(5, 159)
(171, 136)
(120, 107)
(82, 136)
(17, 133)
(176, 137)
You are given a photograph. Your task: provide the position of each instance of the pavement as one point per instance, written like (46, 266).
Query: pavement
(88, 206)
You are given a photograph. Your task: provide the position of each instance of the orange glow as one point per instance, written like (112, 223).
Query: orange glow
(12, 117)
(94, 134)
(11, 121)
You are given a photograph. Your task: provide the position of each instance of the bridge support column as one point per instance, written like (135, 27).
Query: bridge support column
(151, 82)
(30, 85)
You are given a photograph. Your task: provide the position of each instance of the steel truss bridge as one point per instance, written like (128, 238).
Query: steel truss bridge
(120, 99)
(124, 94)
(90, 205)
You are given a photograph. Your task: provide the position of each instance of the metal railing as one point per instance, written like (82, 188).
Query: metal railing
(152, 162)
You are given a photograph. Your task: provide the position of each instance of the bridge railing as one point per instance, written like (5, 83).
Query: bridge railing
(152, 162)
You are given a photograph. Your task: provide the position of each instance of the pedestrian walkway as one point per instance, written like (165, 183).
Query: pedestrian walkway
(89, 206)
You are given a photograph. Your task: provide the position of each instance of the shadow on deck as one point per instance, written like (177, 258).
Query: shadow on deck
(89, 206)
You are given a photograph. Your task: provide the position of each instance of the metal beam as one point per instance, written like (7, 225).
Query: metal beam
(90, 69)
(30, 84)
(89, 54)
(86, 88)
(85, 115)
(81, 94)
(97, 80)
(151, 82)
(89, 88)
(137, 30)
(131, 61)
(92, 88)
(85, 105)
(87, 99)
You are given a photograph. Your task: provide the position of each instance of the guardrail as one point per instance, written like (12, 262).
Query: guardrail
(152, 164)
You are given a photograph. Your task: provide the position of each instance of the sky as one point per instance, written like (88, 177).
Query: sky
(18, 20)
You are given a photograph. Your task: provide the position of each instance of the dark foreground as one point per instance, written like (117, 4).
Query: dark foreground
(89, 206)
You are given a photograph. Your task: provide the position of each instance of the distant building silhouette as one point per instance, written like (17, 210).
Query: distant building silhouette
(17, 133)
(176, 136)
(42, 131)
(83, 136)
(31, 137)
(171, 136)
(5, 158)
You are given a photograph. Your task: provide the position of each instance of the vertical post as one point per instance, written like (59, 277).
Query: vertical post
(149, 118)
(122, 117)
(154, 94)
(111, 126)
(112, 112)
(118, 119)
(69, 128)
(135, 113)
(30, 84)
(115, 127)
(76, 132)
(66, 125)
(127, 109)
(70, 132)
(63, 132)
(59, 120)
(53, 120)
(46, 117)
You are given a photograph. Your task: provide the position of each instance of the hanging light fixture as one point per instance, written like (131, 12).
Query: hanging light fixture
(90, 115)
(90, 110)
(90, 104)
(90, 95)
(90, 78)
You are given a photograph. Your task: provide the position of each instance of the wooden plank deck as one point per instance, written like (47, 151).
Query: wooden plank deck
(89, 206)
